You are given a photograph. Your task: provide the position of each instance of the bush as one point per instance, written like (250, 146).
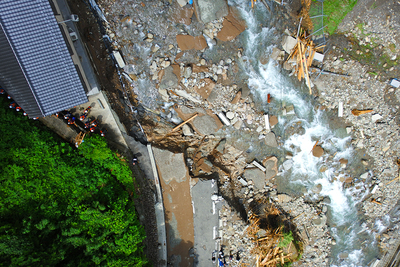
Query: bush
(62, 206)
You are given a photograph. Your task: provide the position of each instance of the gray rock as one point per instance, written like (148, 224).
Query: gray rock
(256, 175)
(288, 42)
(238, 124)
(271, 167)
(187, 73)
(277, 54)
(290, 110)
(182, 2)
(287, 165)
(206, 124)
(376, 117)
(209, 10)
(343, 255)
(283, 198)
(213, 96)
(169, 80)
(270, 140)
(230, 115)
(317, 189)
(186, 130)
(221, 146)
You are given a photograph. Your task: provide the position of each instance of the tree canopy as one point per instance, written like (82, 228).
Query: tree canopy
(61, 205)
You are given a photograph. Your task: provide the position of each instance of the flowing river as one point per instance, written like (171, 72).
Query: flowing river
(355, 243)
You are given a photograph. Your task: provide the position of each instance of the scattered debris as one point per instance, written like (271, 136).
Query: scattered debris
(395, 83)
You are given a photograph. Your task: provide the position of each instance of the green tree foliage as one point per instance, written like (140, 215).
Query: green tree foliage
(61, 206)
(286, 239)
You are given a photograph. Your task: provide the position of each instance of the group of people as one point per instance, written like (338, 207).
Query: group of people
(13, 104)
(91, 123)
(222, 258)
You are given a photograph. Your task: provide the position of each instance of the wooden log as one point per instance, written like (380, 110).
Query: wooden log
(357, 112)
(398, 177)
(303, 211)
(376, 202)
(183, 123)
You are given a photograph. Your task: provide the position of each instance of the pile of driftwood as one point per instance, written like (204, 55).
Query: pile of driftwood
(303, 53)
(266, 248)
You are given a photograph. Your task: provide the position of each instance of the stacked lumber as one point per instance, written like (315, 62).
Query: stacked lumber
(303, 54)
(266, 248)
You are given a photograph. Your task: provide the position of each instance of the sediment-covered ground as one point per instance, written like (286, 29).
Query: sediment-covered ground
(178, 67)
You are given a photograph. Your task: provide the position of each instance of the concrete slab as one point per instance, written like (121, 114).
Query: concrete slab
(175, 183)
(205, 220)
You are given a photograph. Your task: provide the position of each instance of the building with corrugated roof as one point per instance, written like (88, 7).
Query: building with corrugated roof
(40, 68)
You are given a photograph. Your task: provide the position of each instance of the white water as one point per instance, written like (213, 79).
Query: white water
(354, 241)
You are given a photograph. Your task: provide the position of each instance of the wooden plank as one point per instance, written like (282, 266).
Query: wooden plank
(306, 70)
(311, 58)
(301, 58)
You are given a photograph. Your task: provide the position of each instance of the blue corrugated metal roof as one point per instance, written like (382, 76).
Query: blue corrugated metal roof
(39, 48)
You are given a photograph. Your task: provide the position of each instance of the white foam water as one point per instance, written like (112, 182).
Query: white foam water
(355, 243)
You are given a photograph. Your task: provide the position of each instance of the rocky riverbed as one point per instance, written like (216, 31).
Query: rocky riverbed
(186, 63)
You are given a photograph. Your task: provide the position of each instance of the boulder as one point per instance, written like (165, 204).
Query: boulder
(277, 54)
(169, 79)
(182, 2)
(271, 167)
(171, 166)
(186, 130)
(183, 15)
(287, 164)
(221, 146)
(318, 151)
(290, 110)
(283, 198)
(238, 124)
(317, 189)
(376, 117)
(288, 43)
(343, 162)
(237, 97)
(198, 69)
(187, 73)
(205, 125)
(206, 90)
(231, 27)
(209, 10)
(273, 120)
(230, 115)
(270, 140)
(164, 94)
(256, 175)
(188, 42)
